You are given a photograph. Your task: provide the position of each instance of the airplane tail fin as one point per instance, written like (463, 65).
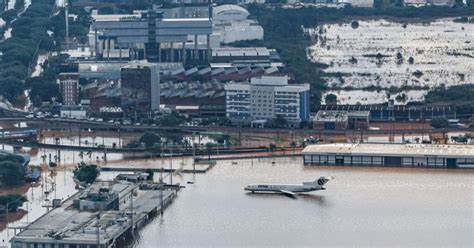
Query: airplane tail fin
(322, 180)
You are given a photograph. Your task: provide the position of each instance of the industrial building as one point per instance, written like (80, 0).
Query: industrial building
(100, 216)
(110, 70)
(140, 88)
(102, 93)
(231, 23)
(69, 88)
(341, 120)
(194, 98)
(265, 98)
(384, 112)
(245, 56)
(419, 3)
(73, 111)
(150, 36)
(403, 155)
(358, 3)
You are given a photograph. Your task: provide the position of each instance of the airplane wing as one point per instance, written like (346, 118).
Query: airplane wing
(287, 192)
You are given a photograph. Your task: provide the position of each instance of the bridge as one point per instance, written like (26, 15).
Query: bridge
(55, 123)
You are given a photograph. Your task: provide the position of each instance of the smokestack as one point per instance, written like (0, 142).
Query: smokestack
(66, 16)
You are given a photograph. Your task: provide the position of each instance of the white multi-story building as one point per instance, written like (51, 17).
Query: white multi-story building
(265, 98)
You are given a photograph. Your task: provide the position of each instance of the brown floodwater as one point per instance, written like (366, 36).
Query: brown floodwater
(363, 207)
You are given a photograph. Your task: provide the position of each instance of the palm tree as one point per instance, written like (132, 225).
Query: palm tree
(89, 153)
(44, 158)
(81, 155)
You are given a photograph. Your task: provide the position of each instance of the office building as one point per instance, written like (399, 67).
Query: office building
(140, 88)
(69, 88)
(266, 98)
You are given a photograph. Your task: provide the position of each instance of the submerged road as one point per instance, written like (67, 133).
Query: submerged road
(65, 124)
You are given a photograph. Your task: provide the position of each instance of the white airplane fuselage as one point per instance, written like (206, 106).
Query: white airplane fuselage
(291, 189)
(278, 187)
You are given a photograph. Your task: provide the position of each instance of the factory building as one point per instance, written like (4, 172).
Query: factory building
(341, 120)
(401, 155)
(266, 98)
(110, 70)
(358, 3)
(140, 88)
(205, 99)
(231, 23)
(152, 37)
(419, 3)
(245, 56)
(384, 112)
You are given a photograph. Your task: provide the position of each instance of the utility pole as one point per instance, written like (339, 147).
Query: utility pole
(171, 165)
(161, 188)
(131, 212)
(194, 156)
(98, 230)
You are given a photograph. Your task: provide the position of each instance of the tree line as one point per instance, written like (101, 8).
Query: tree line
(36, 30)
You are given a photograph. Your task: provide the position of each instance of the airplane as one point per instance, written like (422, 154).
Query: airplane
(290, 189)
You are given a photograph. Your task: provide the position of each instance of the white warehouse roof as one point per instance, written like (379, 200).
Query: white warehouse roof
(401, 150)
(230, 12)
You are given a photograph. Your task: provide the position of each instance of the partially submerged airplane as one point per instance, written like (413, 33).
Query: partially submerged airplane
(290, 189)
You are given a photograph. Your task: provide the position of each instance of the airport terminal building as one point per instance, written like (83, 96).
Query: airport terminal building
(390, 155)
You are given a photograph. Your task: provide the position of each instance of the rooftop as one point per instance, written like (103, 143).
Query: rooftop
(240, 51)
(68, 225)
(333, 116)
(371, 149)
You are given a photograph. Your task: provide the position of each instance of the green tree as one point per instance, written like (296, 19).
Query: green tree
(354, 24)
(330, 99)
(399, 58)
(439, 122)
(150, 140)
(209, 147)
(11, 88)
(150, 173)
(44, 88)
(279, 121)
(14, 202)
(12, 173)
(173, 119)
(272, 147)
(86, 173)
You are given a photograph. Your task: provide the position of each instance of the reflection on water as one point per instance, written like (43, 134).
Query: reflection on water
(38, 198)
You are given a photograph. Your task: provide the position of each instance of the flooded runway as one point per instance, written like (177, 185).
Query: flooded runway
(361, 207)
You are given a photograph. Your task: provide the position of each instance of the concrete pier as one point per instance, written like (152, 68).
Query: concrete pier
(99, 216)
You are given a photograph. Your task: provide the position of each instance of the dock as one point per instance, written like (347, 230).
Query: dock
(100, 216)
(187, 168)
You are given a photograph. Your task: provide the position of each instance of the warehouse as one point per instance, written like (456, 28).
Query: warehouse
(396, 155)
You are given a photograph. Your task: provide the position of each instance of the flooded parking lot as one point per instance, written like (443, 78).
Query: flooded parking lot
(383, 54)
